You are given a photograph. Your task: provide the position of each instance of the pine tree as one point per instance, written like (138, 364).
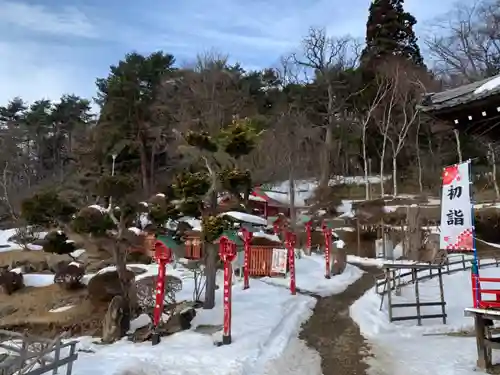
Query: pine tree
(389, 32)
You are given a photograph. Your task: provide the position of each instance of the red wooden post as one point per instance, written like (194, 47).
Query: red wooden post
(247, 238)
(290, 240)
(227, 253)
(309, 239)
(265, 210)
(327, 233)
(163, 256)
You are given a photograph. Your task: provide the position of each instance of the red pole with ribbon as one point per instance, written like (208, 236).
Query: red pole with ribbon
(247, 238)
(163, 256)
(227, 253)
(290, 240)
(309, 233)
(327, 233)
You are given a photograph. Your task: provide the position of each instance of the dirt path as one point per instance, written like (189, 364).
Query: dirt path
(333, 333)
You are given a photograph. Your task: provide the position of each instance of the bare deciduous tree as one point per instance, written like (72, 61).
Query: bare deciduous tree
(465, 43)
(329, 59)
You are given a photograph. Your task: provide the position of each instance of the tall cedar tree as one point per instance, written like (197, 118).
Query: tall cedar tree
(389, 32)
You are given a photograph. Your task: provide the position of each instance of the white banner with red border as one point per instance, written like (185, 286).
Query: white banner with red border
(456, 209)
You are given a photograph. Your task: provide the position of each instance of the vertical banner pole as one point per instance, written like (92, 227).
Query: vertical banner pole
(475, 262)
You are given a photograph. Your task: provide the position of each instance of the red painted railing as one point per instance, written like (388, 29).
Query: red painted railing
(478, 291)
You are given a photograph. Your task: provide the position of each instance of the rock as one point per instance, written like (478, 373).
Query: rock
(7, 310)
(69, 275)
(111, 326)
(339, 261)
(179, 321)
(11, 281)
(106, 285)
(28, 266)
(103, 287)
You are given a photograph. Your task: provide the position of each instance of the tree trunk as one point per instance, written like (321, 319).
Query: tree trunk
(419, 160)
(144, 169)
(152, 161)
(210, 275)
(121, 269)
(382, 157)
(365, 164)
(211, 257)
(459, 149)
(325, 162)
(325, 159)
(394, 176)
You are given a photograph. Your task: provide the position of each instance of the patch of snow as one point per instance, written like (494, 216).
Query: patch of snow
(77, 253)
(38, 280)
(99, 208)
(339, 244)
(160, 195)
(75, 264)
(61, 309)
(7, 245)
(241, 216)
(310, 277)
(30, 246)
(405, 348)
(17, 270)
(135, 230)
(141, 321)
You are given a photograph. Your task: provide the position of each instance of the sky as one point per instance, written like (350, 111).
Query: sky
(48, 48)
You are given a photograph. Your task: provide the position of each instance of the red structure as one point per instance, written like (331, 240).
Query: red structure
(290, 241)
(247, 239)
(309, 236)
(227, 253)
(477, 291)
(327, 233)
(261, 204)
(163, 256)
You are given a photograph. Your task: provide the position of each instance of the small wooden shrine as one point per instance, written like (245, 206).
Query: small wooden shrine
(261, 251)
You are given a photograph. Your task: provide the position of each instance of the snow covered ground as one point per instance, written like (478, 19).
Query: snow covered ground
(266, 321)
(309, 276)
(405, 348)
(6, 245)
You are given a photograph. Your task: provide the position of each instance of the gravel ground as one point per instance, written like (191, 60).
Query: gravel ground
(334, 335)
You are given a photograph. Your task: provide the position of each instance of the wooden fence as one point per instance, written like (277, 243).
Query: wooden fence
(32, 355)
(462, 263)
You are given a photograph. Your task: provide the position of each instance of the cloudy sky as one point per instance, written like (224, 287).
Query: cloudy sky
(48, 48)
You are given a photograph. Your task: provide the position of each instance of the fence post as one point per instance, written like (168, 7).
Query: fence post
(463, 261)
(57, 355)
(69, 367)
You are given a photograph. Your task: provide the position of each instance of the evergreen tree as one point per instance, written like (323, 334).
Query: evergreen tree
(389, 32)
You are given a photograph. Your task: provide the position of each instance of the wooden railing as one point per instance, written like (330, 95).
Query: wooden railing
(462, 263)
(32, 355)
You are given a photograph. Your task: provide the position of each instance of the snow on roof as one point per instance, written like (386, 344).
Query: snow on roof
(193, 223)
(488, 85)
(241, 216)
(270, 237)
